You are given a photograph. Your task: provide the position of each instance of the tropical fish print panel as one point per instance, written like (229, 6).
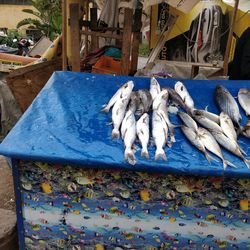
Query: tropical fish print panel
(66, 207)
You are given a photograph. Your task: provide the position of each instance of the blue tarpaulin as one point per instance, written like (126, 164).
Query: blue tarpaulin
(64, 125)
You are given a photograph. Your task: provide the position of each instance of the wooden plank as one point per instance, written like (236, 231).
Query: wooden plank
(64, 35)
(135, 52)
(229, 40)
(100, 34)
(75, 36)
(126, 41)
(93, 26)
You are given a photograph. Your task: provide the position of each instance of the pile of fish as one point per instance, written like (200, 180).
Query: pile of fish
(131, 116)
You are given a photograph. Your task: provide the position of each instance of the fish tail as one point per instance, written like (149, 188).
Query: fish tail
(144, 153)
(208, 157)
(159, 153)
(129, 156)
(115, 133)
(105, 108)
(247, 162)
(228, 163)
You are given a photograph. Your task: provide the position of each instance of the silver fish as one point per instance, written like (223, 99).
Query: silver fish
(209, 115)
(205, 122)
(146, 100)
(193, 137)
(181, 90)
(160, 104)
(230, 145)
(227, 104)
(177, 99)
(155, 88)
(128, 131)
(188, 120)
(118, 113)
(211, 144)
(142, 130)
(123, 91)
(244, 99)
(159, 132)
(246, 130)
(227, 126)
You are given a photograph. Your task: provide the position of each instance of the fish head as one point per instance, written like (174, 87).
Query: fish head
(179, 87)
(164, 94)
(224, 116)
(127, 89)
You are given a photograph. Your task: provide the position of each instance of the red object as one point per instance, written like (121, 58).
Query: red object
(107, 65)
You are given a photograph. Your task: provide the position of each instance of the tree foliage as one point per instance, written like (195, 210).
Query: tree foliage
(48, 17)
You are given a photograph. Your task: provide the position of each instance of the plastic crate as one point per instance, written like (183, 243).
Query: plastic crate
(107, 65)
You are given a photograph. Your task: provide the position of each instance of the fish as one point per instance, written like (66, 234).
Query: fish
(123, 91)
(142, 131)
(160, 104)
(188, 120)
(227, 104)
(118, 113)
(155, 88)
(206, 122)
(209, 115)
(192, 136)
(159, 132)
(181, 90)
(211, 145)
(146, 100)
(230, 145)
(244, 99)
(128, 131)
(134, 102)
(177, 99)
(227, 126)
(246, 130)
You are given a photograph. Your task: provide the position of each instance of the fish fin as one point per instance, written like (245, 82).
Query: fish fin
(115, 133)
(209, 157)
(105, 108)
(110, 123)
(206, 108)
(242, 151)
(129, 156)
(144, 153)
(228, 163)
(247, 162)
(159, 153)
(239, 130)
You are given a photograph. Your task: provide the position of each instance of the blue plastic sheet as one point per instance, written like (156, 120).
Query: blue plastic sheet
(64, 125)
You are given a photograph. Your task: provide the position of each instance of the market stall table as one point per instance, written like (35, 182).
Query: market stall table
(75, 191)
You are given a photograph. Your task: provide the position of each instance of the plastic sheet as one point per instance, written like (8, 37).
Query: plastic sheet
(64, 125)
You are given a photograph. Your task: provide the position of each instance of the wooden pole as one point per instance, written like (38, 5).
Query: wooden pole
(229, 40)
(64, 34)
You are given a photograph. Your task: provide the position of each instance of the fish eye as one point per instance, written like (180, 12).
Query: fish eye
(126, 85)
(181, 88)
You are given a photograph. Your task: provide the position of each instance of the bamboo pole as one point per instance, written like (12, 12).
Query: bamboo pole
(64, 34)
(229, 40)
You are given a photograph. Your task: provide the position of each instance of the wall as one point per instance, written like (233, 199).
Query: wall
(12, 14)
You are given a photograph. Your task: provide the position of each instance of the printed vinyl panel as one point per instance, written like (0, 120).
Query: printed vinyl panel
(67, 207)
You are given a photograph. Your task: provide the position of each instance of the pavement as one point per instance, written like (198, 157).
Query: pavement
(8, 235)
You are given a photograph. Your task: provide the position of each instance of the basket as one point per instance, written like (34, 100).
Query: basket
(107, 65)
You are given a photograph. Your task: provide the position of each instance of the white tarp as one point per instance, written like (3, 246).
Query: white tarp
(182, 5)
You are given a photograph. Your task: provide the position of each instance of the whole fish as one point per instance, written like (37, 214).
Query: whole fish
(142, 131)
(227, 126)
(128, 131)
(206, 122)
(244, 99)
(159, 132)
(230, 145)
(209, 115)
(227, 104)
(124, 91)
(246, 130)
(118, 113)
(160, 104)
(155, 88)
(211, 145)
(181, 90)
(177, 99)
(188, 121)
(146, 100)
(192, 136)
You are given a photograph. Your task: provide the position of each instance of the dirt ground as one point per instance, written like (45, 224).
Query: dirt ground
(7, 197)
